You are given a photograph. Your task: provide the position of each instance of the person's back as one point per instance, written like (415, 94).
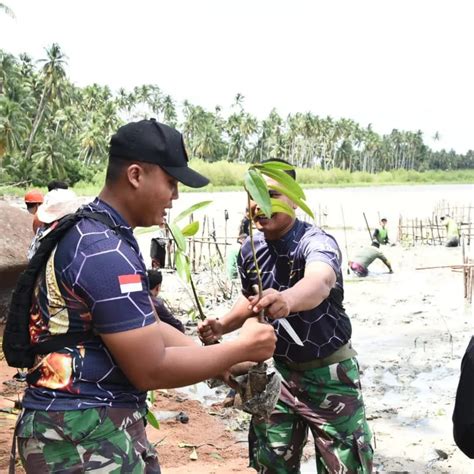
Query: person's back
(365, 256)
(155, 279)
(452, 232)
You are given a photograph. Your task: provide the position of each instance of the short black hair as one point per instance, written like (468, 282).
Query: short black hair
(383, 219)
(114, 169)
(55, 184)
(116, 166)
(154, 278)
(291, 172)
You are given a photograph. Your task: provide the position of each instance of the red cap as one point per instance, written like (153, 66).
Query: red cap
(34, 197)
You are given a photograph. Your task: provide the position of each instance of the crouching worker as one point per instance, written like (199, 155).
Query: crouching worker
(360, 263)
(155, 278)
(85, 403)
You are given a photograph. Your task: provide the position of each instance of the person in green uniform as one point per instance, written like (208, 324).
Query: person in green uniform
(452, 231)
(381, 234)
(231, 261)
(360, 263)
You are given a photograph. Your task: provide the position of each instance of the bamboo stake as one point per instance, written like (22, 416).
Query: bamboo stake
(226, 218)
(209, 238)
(432, 234)
(368, 228)
(193, 247)
(437, 228)
(202, 239)
(213, 235)
(465, 270)
(468, 265)
(345, 238)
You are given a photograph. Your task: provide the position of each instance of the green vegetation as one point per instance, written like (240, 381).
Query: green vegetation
(50, 128)
(225, 176)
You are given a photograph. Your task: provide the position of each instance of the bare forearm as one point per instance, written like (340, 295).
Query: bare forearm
(234, 319)
(181, 366)
(306, 294)
(174, 338)
(312, 289)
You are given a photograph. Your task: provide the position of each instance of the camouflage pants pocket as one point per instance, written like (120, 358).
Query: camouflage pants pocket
(276, 446)
(326, 400)
(108, 440)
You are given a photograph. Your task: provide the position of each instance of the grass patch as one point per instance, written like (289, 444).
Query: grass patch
(226, 176)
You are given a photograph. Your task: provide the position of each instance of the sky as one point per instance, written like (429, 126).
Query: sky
(405, 64)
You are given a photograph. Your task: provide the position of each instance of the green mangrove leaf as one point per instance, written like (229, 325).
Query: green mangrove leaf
(182, 266)
(150, 397)
(281, 206)
(299, 202)
(190, 210)
(177, 236)
(285, 180)
(276, 165)
(151, 418)
(258, 190)
(190, 229)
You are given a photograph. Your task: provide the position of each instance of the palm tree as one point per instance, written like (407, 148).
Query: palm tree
(52, 74)
(50, 160)
(169, 111)
(14, 126)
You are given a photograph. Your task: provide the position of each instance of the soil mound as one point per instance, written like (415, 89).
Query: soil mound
(15, 236)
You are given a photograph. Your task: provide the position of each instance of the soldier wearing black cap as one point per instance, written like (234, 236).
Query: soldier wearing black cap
(85, 404)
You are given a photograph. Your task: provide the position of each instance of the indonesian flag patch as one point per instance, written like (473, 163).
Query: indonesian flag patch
(130, 283)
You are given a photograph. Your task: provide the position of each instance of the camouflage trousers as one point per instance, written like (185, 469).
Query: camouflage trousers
(326, 400)
(100, 440)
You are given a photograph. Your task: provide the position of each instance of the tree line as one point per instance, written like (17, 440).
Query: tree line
(51, 128)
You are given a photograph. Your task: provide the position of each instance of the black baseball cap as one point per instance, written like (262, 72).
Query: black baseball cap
(153, 142)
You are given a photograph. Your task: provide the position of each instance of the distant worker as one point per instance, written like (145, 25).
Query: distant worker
(57, 203)
(245, 223)
(55, 184)
(360, 264)
(452, 231)
(34, 199)
(155, 278)
(158, 252)
(231, 261)
(381, 234)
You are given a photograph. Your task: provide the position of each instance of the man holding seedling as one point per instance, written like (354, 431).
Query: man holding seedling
(300, 268)
(85, 404)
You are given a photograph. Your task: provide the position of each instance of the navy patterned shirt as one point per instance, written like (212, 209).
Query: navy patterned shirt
(95, 280)
(323, 329)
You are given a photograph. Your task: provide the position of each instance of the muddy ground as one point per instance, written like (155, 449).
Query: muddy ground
(410, 330)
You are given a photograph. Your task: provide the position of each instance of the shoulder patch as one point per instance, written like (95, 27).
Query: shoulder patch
(130, 283)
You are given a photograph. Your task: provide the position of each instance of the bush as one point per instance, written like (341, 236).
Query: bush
(221, 173)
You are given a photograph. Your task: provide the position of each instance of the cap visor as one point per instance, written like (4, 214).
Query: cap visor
(187, 176)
